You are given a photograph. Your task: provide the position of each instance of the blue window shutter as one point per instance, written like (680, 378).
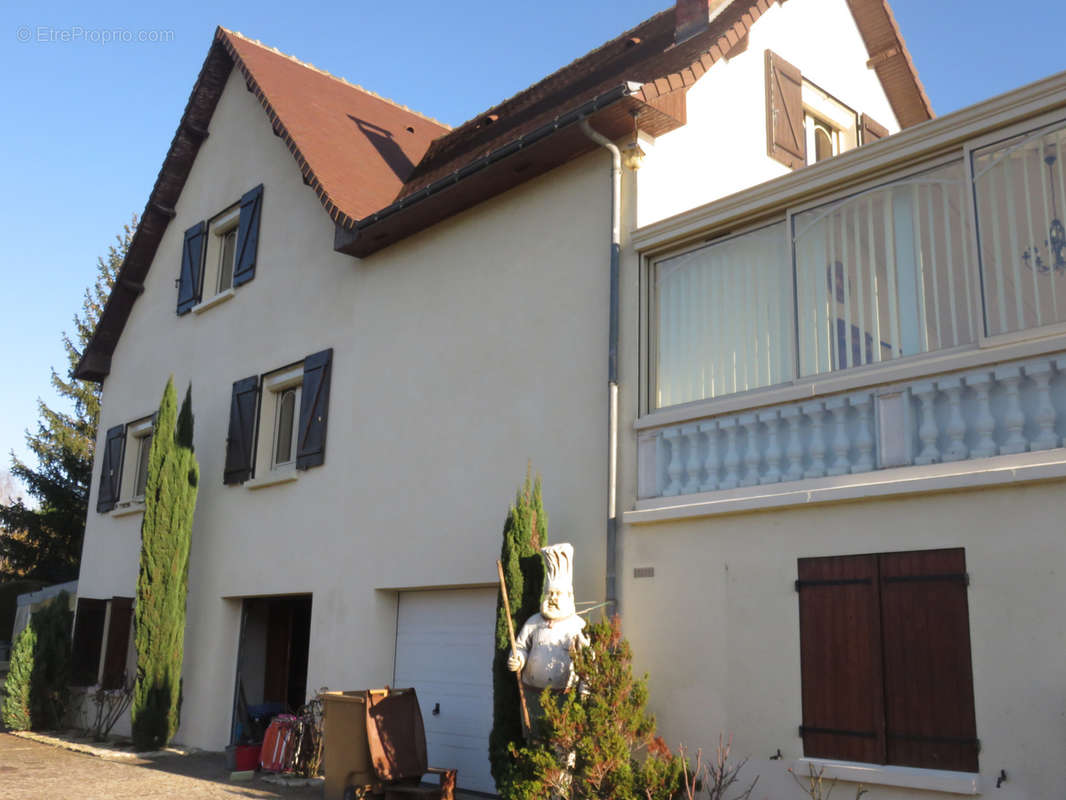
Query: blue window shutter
(314, 410)
(192, 258)
(240, 443)
(111, 469)
(248, 236)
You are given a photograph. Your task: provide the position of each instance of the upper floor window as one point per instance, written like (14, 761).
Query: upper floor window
(278, 420)
(220, 254)
(870, 277)
(124, 465)
(804, 123)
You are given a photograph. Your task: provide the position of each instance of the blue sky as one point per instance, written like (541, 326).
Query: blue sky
(88, 120)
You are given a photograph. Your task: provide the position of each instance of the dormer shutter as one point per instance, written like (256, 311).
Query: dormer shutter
(111, 469)
(240, 444)
(871, 130)
(192, 257)
(314, 410)
(786, 139)
(248, 236)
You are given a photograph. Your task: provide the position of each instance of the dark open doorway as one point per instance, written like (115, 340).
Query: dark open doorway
(271, 661)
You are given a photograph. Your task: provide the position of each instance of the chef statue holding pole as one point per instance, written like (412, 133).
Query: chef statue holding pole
(541, 652)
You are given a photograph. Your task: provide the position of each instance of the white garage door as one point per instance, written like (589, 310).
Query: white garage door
(444, 649)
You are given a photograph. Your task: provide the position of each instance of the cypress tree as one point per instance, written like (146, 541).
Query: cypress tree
(162, 585)
(525, 532)
(16, 708)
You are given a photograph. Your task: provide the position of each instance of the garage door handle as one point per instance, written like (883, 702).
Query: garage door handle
(436, 709)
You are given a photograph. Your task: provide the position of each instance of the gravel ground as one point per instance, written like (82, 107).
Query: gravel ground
(34, 771)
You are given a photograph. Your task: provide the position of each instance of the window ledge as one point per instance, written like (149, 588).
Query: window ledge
(998, 470)
(211, 302)
(936, 780)
(127, 508)
(274, 478)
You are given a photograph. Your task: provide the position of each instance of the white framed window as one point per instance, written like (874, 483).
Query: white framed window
(279, 419)
(134, 477)
(222, 250)
(830, 126)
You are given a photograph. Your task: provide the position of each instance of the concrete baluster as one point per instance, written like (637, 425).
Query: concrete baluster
(773, 447)
(864, 437)
(732, 456)
(1013, 416)
(816, 412)
(710, 461)
(838, 407)
(1044, 415)
(693, 462)
(984, 422)
(955, 430)
(794, 447)
(927, 430)
(750, 422)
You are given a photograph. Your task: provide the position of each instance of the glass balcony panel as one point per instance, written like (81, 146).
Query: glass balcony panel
(1020, 187)
(724, 318)
(884, 273)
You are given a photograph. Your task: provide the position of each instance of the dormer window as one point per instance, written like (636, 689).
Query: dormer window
(804, 123)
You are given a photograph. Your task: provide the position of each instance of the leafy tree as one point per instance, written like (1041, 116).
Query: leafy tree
(599, 742)
(162, 586)
(43, 540)
(524, 533)
(37, 688)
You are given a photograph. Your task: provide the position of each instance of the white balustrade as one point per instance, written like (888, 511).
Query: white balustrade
(980, 413)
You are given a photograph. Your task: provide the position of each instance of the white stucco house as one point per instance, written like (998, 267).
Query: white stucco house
(796, 388)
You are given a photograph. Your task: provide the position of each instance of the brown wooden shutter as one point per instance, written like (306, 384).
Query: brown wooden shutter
(111, 469)
(240, 443)
(871, 130)
(190, 277)
(314, 410)
(118, 642)
(840, 658)
(248, 236)
(87, 641)
(786, 138)
(929, 704)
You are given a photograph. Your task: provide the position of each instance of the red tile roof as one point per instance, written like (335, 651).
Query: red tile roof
(355, 148)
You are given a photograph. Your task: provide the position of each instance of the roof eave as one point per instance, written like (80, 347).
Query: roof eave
(504, 168)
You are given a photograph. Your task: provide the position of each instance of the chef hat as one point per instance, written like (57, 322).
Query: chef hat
(559, 566)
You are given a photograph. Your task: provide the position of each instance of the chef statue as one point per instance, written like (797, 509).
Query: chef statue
(542, 648)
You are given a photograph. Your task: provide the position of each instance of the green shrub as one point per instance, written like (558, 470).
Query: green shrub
(37, 690)
(16, 707)
(598, 742)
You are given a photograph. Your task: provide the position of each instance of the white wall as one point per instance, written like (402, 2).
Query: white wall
(728, 661)
(458, 355)
(722, 148)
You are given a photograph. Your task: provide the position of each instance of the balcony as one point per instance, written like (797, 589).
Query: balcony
(895, 308)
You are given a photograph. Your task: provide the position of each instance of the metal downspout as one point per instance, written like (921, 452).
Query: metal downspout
(612, 361)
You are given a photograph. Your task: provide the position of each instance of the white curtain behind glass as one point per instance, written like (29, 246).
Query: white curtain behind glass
(724, 318)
